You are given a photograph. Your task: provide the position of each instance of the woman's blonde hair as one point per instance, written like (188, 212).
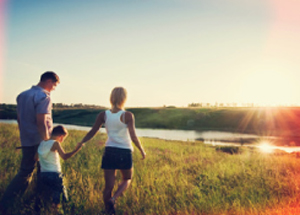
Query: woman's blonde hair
(118, 97)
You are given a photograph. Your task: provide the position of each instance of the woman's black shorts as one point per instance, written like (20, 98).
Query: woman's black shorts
(116, 158)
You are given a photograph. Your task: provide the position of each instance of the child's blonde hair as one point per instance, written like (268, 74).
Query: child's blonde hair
(118, 97)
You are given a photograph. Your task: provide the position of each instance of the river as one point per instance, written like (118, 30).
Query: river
(208, 137)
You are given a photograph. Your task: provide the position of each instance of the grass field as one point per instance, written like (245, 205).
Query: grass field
(176, 178)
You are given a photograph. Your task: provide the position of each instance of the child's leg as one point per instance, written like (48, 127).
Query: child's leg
(55, 209)
(54, 187)
(127, 176)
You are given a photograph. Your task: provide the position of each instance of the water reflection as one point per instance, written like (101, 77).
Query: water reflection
(269, 148)
(208, 137)
(265, 147)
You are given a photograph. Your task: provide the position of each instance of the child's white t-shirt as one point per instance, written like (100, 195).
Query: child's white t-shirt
(49, 161)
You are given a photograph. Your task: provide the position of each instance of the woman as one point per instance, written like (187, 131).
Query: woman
(120, 129)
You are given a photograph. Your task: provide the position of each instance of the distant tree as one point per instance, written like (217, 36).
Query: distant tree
(78, 105)
(195, 105)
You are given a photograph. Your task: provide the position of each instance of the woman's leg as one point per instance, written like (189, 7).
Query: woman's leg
(109, 176)
(127, 176)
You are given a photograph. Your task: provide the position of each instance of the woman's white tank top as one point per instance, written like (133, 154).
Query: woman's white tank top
(117, 131)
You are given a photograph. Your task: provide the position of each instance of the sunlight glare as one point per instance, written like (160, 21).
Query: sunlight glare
(266, 147)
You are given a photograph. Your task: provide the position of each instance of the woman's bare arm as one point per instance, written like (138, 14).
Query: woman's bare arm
(129, 120)
(98, 123)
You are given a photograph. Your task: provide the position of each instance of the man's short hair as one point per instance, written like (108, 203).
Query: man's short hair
(49, 75)
(59, 130)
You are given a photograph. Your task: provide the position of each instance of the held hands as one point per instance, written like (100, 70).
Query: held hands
(79, 145)
(101, 143)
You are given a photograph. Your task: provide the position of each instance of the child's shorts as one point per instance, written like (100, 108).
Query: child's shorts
(116, 158)
(52, 182)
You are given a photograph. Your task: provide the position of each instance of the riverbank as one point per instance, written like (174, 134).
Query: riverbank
(214, 138)
(282, 122)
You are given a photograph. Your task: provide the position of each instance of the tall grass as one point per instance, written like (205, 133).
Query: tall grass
(176, 178)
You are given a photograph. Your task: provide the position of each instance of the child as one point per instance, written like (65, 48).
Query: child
(120, 128)
(51, 176)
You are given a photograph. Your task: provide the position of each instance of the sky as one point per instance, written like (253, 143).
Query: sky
(164, 52)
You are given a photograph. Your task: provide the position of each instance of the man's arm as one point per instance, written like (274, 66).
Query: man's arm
(18, 120)
(42, 127)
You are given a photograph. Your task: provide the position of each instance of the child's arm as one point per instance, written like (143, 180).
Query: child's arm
(36, 157)
(129, 119)
(57, 147)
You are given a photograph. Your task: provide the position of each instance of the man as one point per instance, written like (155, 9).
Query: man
(34, 108)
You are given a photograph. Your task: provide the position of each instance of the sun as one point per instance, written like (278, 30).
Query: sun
(266, 147)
